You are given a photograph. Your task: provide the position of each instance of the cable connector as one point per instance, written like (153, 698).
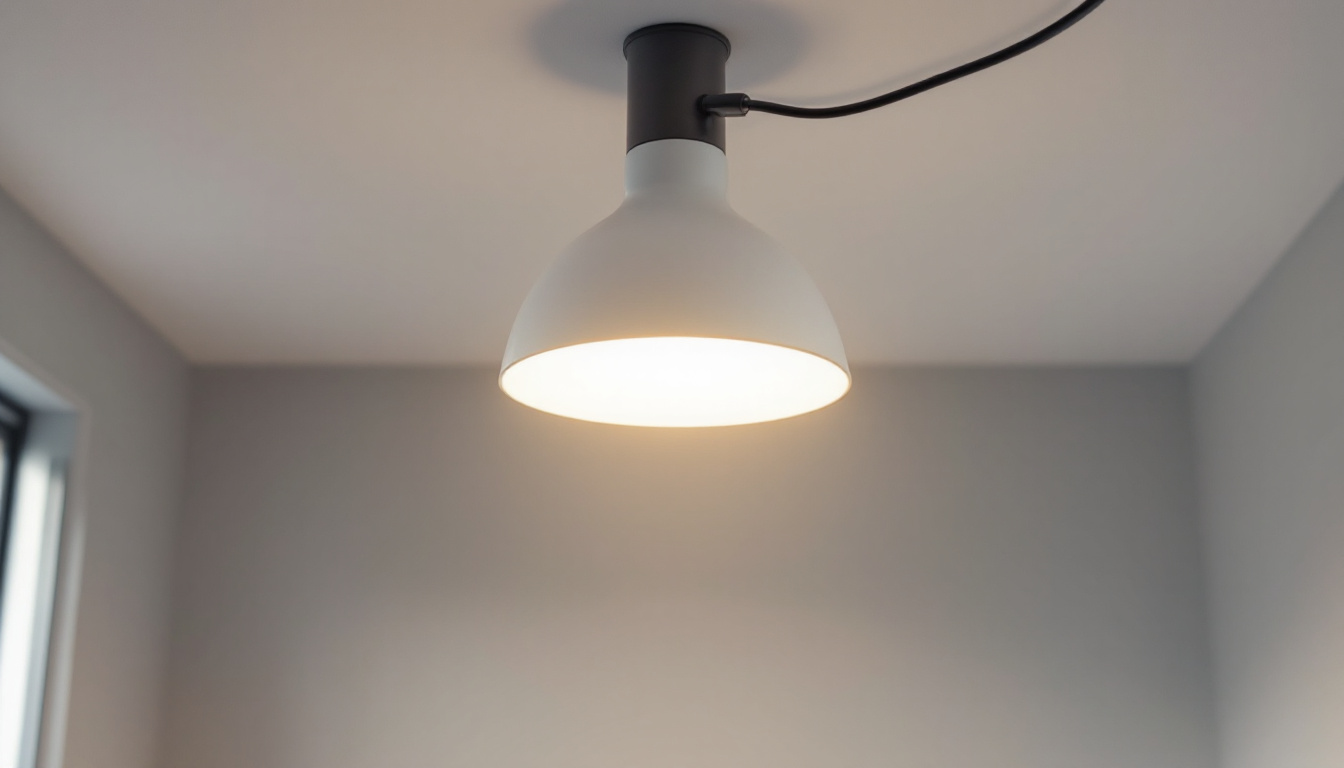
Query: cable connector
(725, 104)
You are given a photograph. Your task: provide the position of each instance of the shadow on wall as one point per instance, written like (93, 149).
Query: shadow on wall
(580, 40)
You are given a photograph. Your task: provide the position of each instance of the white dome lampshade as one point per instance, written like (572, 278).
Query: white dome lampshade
(674, 311)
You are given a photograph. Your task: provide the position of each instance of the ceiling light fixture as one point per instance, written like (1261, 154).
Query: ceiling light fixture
(674, 311)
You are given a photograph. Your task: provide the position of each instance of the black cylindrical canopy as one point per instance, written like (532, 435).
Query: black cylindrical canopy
(670, 66)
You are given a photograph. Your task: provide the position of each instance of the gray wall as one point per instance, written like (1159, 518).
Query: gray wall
(1269, 396)
(949, 568)
(57, 319)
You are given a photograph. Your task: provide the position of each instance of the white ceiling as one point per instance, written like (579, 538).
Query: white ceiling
(379, 181)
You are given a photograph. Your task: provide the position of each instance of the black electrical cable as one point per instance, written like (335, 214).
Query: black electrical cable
(739, 104)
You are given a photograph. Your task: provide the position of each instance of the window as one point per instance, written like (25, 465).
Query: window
(13, 421)
(34, 446)
(13, 426)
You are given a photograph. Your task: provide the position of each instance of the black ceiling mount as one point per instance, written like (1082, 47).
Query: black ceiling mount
(669, 67)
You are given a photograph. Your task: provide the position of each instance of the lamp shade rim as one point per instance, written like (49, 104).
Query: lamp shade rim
(837, 384)
(842, 363)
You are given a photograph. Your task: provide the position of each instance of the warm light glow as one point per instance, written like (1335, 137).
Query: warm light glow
(675, 381)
